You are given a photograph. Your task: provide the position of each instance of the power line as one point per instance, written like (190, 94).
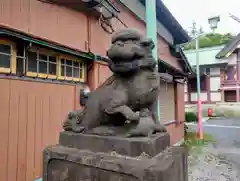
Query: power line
(234, 17)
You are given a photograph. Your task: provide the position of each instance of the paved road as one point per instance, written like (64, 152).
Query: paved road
(227, 151)
(227, 135)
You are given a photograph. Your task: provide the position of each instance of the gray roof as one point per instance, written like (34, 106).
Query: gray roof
(229, 48)
(207, 56)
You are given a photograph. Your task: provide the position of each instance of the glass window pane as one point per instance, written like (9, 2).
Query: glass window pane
(5, 49)
(62, 70)
(52, 59)
(52, 65)
(62, 61)
(32, 61)
(42, 57)
(5, 60)
(76, 64)
(52, 69)
(69, 62)
(68, 71)
(43, 67)
(76, 72)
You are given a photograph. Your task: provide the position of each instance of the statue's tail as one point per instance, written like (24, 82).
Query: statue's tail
(108, 81)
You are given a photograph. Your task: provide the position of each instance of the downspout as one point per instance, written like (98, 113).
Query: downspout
(88, 48)
(88, 43)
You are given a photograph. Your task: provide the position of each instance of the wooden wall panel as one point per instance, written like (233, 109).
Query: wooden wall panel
(47, 21)
(180, 103)
(22, 138)
(4, 128)
(103, 73)
(31, 118)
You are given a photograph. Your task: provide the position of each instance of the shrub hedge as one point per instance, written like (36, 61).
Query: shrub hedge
(191, 117)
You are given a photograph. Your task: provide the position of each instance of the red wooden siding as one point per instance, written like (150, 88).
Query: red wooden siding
(47, 21)
(31, 118)
(70, 28)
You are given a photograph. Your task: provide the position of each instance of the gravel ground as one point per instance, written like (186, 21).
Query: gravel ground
(208, 165)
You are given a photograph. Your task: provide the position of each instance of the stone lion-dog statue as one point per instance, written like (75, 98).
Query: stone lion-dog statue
(128, 97)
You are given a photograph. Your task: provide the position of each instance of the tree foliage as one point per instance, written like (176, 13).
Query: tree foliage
(210, 40)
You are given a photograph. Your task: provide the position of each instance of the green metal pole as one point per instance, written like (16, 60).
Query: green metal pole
(151, 21)
(199, 102)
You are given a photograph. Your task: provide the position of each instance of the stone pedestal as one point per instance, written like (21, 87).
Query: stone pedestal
(81, 157)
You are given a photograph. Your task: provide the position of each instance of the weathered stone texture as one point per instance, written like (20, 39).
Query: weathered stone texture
(71, 164)
(124, 146)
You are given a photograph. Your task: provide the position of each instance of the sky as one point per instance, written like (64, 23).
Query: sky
(187, 11)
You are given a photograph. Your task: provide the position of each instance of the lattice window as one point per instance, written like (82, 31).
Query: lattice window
(41, 64)
(7, 57)
(71, 69)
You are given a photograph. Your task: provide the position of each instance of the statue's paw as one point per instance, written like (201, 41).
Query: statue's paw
(158, 128)
(138, 133)
(78, 129)
(67, 126)
(133, 117)
(146, 129)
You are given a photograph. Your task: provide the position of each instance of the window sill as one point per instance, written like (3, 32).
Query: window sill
(5, 70)
(38, 79)
(40, 75)
(51, 76)
(167, 123)
(32, 74)
(71, 79)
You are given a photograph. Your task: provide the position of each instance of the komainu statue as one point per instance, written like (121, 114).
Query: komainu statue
(128, 99)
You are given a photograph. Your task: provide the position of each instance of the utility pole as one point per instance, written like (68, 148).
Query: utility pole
(199, 102)
(195, 34)
(151, 21)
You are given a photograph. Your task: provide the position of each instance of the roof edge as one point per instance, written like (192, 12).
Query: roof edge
(229, 48)
(169, 21)
(46, 43)
(174, 20)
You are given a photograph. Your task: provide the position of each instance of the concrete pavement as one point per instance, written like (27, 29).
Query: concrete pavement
(226, 151)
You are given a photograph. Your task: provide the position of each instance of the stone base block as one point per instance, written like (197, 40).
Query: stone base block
(124, 146)
(64, 163)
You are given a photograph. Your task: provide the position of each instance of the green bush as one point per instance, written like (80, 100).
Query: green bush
(191, 117)
(185, 129)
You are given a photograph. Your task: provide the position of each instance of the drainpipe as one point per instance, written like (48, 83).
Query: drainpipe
(151, 21)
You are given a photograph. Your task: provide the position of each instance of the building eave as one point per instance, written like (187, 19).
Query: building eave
(45, 43)
(186, 62)
(169, 21)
